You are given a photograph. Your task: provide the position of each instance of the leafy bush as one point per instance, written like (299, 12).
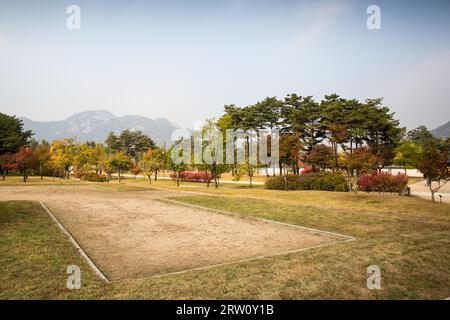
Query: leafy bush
(193, 176)
(302, 182)
(327, 181)
(93, 177)
(383, 182)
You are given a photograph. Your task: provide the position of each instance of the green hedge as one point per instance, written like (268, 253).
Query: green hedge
(327, 181)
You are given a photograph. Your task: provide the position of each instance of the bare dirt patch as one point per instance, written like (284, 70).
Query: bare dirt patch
(132, 235)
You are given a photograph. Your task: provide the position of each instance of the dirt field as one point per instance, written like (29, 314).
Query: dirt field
(130, 234)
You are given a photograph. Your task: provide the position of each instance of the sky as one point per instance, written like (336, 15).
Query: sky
(184, 60)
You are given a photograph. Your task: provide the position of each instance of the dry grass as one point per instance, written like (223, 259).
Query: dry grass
(408, 238)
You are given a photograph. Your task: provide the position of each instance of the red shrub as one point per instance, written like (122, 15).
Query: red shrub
(383, 182)
(193, 176)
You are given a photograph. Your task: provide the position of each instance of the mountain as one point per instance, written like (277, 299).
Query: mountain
(96, 125)
(442, 131)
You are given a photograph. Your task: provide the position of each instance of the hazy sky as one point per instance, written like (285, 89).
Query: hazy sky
(183, 60)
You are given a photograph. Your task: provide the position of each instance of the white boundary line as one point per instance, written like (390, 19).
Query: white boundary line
(170, 201)
(250, 259)
(75, 243)
(339, 235)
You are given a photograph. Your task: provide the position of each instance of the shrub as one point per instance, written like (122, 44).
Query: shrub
(302, 182)
(383, 182)
(329, 181)
(193, 176)
(93, 177)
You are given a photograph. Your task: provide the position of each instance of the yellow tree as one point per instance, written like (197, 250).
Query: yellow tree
(62, 154)
(152, 161)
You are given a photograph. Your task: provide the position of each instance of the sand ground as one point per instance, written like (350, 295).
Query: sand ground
(132, 234)
(420, 189)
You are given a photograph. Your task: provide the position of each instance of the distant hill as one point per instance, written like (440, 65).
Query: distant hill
(442, 131)
(96, 125)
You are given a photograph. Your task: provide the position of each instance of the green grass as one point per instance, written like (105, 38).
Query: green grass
(408, 238)
(34, 256)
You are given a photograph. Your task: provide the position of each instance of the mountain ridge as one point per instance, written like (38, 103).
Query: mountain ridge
(442, 131)
(95, 125)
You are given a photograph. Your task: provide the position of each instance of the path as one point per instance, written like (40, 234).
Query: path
(419, 189)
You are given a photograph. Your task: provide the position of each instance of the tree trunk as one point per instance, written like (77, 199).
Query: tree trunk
(432, 193)
(156, 175)
(118, 175)
(336, 157)
(280, 164)
(149, 178)
(24, 175)
(178, 179)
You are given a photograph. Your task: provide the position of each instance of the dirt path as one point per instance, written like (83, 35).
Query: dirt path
(420, 189)
(131, 235)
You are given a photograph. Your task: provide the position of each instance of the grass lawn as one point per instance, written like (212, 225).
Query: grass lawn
(34, 255)
(408, 238)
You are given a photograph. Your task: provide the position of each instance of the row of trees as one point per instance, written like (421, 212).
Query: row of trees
(342, 135)
(61, 158)
(129, 151)
(316, 131)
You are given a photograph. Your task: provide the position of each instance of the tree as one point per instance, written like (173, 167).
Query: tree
(247, 169)
(120, 162)
(152, 161)
(335, 122)
(303, 115)
(7, 163)
(96, 154)
(134, 143)
(176, 166)
(382, 131)
(289, 151)
(321, 157)
(12, 138)
(433, 163)
(406, 154)
(12, 135)
(356, 163)
(63, 153)
(112, 143)
(42, 156)
(422, 136)
(23, 159)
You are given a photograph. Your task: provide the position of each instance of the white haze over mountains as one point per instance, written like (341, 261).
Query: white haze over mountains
(96, 125)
